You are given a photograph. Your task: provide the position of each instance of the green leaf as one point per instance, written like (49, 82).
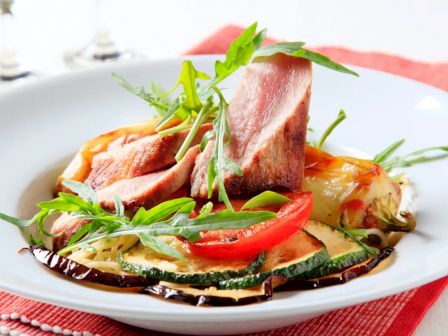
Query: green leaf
(239, 53)
(370, 250)
(80, 233)
(341, 117)
(206, 209)
(364, 233)
(323, 61)
(179, 225)
(21, 223)
(387, 152)
(83, 190)
(159, 246)
(119, 207)
(206, 138)
(187, 79)
(159, 99)
(295, 49)
(419, 156)
(75, 200)
(287, 48)
(160, 103)
(265, 198)
(58, 204)
(219, 162)
(159, 212)
(184, 125)
(199, 120)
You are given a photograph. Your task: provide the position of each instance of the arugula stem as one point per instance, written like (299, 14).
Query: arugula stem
(186, 124)
(199, 120)
(370, 250)
(386, 153)
(341, 117)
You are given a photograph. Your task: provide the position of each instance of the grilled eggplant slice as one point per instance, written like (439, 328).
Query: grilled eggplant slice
(298, 255)
(191, 270)
(211, 296)
(344, 252)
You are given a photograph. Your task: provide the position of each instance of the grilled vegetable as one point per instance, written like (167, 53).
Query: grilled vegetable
(218, 297)
(190, 270)
(300, 254)
(343, 251)
(76, 271)
(356, 192)
(249, 242)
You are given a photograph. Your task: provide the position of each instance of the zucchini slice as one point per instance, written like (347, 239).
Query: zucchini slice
(191, 270)
(299, 254)
(344, 252)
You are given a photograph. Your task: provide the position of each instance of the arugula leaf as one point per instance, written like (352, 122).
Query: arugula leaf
(187, 79)
(206, 209)
(206, 138)
(21, 223)
(341, 117)
(171, 217)
(295, 49)
(199, 120)
(179, 225)
(160, 103)
(159, 212)
(420, 156)
(83, 190)
(219, 162)
(265, 198)
(119, 207)
(159, 246)
(287, 48)
(370, 250)
(239, 53)
(387, 152)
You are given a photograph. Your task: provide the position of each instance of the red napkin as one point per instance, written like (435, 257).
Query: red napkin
(396, 315)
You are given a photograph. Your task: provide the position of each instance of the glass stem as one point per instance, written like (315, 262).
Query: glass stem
(105, 46)
(8, 54)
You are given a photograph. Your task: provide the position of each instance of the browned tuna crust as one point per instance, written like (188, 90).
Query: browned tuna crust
(147, 190)
(267, 118)
(137, 158)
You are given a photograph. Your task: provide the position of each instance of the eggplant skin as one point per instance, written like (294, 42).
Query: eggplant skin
(210, 300)
(271, 284)
(74, 270)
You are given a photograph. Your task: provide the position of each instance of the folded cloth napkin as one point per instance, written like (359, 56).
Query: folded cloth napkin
(396, 315)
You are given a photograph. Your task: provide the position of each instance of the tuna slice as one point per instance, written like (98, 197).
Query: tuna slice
(140, 157)
(147, 190)
(267, 118)
(64, 228)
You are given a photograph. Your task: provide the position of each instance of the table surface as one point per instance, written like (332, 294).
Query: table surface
(415, 29)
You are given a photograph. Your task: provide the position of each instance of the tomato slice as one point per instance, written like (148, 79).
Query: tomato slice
(249, 242)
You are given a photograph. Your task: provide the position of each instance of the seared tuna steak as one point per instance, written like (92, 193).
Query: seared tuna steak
(267, 119)
(140, 157)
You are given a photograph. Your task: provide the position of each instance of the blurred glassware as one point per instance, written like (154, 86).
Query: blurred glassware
(12, 70)
(102, 49)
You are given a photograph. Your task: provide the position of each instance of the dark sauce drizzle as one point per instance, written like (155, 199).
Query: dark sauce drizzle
(77, 271)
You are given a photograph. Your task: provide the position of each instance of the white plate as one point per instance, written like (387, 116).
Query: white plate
(43, 124)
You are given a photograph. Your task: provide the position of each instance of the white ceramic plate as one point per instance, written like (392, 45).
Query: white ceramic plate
(43, 124)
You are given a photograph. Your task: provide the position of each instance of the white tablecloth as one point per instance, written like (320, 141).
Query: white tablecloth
(412, 28)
